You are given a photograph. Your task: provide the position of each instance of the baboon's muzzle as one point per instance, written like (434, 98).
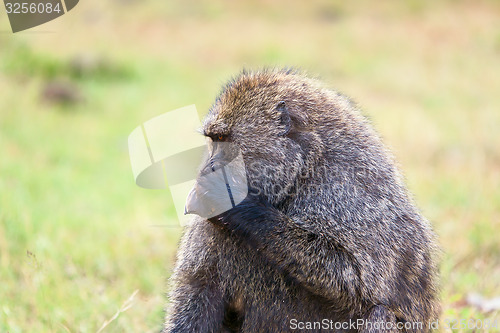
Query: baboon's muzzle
(221, 183)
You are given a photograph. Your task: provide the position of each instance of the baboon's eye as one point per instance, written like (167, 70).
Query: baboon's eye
(220, 137)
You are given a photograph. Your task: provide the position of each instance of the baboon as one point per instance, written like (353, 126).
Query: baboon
(328, 238)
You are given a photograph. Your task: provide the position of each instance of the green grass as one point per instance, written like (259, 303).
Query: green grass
(78, 238)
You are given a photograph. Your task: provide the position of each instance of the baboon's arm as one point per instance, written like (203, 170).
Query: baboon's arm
(196, 307)
(197, 301)
(310, 257)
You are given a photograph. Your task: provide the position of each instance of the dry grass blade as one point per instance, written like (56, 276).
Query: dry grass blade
(125, 306)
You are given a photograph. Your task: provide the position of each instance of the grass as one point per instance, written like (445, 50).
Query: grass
(78, 238)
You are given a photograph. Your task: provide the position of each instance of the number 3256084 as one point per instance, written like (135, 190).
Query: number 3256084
(32, 8)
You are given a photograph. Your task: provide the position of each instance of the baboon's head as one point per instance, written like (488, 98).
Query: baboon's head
(264, 115)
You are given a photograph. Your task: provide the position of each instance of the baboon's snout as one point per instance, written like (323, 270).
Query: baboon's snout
(221, 184)
(192, 203)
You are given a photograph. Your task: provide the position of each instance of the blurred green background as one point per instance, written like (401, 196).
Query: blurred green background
(78, 238)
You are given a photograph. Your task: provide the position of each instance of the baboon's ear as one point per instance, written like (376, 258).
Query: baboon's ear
(284, 117)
